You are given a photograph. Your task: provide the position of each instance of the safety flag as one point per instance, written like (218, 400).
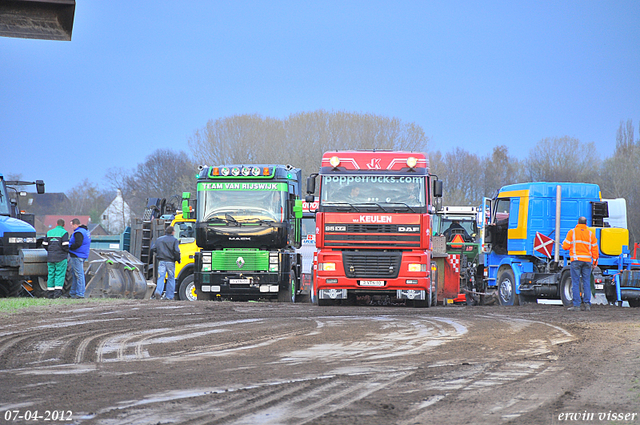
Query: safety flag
(543, 244)
(458, 239)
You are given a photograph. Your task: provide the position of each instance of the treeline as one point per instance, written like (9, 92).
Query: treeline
(301, 139)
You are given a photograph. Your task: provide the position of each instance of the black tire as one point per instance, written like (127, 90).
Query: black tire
(507, 288)
(288, 294)
(634, 303)
(39, 286)
(10, 288)
(566, 293)
(187, 289)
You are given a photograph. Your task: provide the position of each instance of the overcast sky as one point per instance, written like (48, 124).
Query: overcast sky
(141, 75)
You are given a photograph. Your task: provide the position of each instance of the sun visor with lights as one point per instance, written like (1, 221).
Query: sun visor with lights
(241, 171)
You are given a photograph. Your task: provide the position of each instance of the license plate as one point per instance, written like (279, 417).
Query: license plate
(239, 281)
(372, 283)
(599, 286)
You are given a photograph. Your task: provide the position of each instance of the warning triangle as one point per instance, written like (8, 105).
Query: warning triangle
(457, 239)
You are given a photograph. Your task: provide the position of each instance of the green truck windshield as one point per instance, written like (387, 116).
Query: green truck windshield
(242, 202)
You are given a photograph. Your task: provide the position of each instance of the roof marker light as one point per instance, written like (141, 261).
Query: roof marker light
(215, 171)
(235, 171)
(334, 161)
(225, 171)
(265, 171)
(412, 162)
(255, 171)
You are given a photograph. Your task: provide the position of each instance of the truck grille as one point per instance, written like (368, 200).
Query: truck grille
(374, 265)
(239, 260)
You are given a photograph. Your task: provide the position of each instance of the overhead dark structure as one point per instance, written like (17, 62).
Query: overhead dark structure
(40, 19)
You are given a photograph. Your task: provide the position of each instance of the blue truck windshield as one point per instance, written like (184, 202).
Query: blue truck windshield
(4, 199)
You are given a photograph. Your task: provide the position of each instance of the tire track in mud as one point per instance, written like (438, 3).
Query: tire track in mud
(297, 368)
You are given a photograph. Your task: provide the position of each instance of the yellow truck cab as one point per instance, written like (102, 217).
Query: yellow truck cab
(185, 232)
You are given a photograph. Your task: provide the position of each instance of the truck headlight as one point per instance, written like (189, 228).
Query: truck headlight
(417, 267)
(327, 267)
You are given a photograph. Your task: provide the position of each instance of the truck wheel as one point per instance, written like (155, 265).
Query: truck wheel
(507, 288)
(187, 289)
(10, 288)
(288, 295)
(39, 285)
(566, 292)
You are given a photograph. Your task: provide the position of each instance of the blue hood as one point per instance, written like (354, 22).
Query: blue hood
(10, 224)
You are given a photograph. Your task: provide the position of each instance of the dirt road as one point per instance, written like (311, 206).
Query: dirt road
(159, 362)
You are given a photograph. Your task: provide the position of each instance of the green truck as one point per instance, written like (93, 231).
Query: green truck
(457, 253)
(248, 226)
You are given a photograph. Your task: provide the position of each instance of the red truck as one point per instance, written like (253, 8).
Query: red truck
(373, 227)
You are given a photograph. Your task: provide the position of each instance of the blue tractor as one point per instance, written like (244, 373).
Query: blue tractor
(20, 261)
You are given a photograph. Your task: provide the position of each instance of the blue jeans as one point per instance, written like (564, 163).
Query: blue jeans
(167, 268)
(581, 273)
(77, 277)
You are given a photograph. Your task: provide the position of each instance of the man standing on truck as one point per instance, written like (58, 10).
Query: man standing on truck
(583, 248)
(167, 250)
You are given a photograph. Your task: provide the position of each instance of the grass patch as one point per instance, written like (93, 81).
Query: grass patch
(11, 305)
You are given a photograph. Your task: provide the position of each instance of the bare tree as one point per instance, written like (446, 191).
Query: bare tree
(164, 174)
(300, 139)
(620, 176)
(563, 159)
(87, 199)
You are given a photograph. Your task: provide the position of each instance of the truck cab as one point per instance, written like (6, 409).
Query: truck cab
(248, 226)
(524, 226)
(19, 258)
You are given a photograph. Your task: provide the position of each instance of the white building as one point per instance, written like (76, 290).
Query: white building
(117, 215)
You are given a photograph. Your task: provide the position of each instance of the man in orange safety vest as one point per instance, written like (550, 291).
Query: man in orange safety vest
(583, 248)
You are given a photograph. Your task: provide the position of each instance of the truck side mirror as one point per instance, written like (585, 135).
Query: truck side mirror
(437, 188)
(40, 186)
(311, 185)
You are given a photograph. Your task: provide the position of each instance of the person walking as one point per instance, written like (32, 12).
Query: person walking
(79, 252)
(583, 248)
(167, 250)
(57, 245)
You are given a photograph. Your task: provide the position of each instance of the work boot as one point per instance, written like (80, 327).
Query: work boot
(582, 307)
(587, 307)
(57, 293)
(50, 294)
(574, 308)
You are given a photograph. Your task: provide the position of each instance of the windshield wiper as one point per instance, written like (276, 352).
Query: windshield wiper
(338, 206)
(398, 203)
(259, 221)
(231, 219)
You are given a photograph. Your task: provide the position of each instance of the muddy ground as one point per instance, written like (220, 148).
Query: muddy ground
(162, 362)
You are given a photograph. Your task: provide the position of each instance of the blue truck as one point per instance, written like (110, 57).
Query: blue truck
(523, 227)
(20, 261)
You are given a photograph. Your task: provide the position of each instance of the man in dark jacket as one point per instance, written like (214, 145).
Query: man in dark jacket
(57, 245)
(79, 252)
(167, 252)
